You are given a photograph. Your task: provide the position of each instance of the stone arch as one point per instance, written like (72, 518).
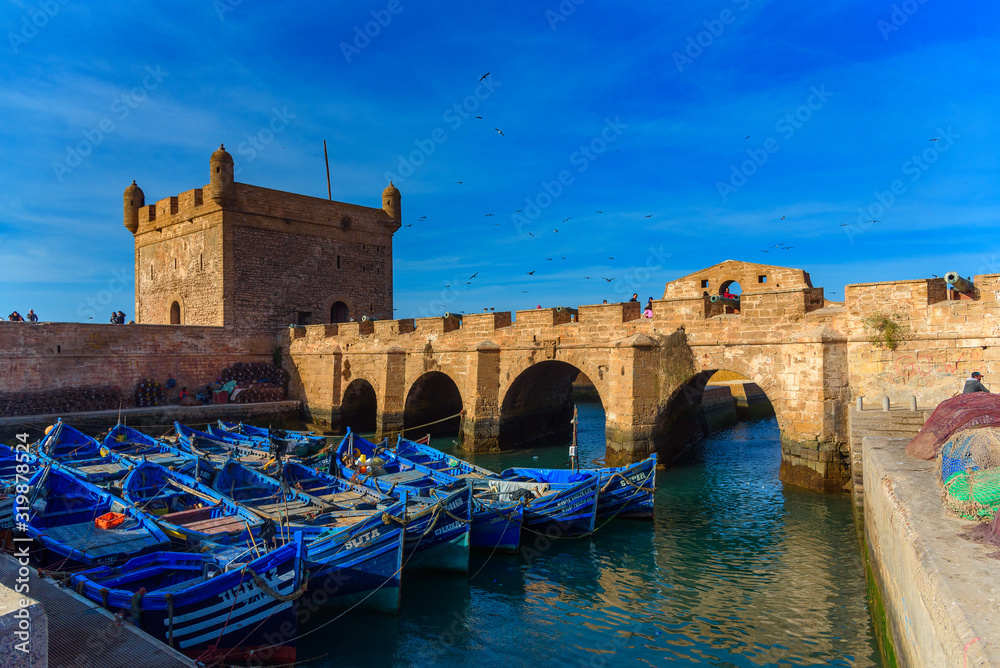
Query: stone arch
(359, 406)
(434, 395)
(340, 312)
(538, 402)
(176, 317)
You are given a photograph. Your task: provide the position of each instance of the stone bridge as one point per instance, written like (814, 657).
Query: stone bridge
(512, 376)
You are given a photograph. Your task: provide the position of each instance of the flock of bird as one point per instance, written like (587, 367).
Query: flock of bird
(776, 247)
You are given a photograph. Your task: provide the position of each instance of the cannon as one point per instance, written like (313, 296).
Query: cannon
(963, 285)
(367, 318)
(449, 314)
(725, 301)
(567, 309)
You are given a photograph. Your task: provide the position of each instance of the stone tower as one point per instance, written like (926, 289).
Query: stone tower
(256, 260)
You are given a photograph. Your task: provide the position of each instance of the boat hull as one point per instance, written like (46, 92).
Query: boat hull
(497, 529)
(628, 492)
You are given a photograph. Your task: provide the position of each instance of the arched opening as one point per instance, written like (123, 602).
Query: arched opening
(731, 291)
(434, 396)
(706, 403)
(359, 408)
(175, 314)
(538, 406)
(339, 312)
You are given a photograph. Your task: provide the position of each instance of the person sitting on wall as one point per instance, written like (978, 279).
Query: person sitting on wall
(635, 297)
(974, 383)
(187, 399)
(15, 317)
(31, 315)
(114, 318)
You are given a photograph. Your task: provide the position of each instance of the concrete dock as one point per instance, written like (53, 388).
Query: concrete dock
(43, 624)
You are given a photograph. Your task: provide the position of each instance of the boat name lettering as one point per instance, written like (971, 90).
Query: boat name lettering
(455, 504)
(447, 528)
(366, 537)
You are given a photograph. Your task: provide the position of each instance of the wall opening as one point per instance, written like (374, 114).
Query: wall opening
(434, 396)
(339, 312)
(730, 290)
(175, 314)
(538, 406)
(709, 402)
(304, 317)
(359, 408)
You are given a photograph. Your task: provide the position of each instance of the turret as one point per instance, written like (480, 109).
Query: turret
(221, 186)
(391, 204)
(134, 200)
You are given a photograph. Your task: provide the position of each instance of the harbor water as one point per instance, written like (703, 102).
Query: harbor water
(737, 569)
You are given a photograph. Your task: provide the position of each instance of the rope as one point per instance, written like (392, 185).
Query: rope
(134, 603)
(450, 417)
(283, 598)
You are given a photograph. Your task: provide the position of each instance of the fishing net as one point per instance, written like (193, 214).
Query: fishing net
(966, 411)
(970, 470)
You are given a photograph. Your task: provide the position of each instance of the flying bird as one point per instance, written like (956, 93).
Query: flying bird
(524, 291)
(747, 137)
(473, 276)
(649, 216)
(782, 218)
(530, 273)
(600, 212)
(518, 211)
(934, 275)
(422, 217)
(488, 215)
(935, 139)
(530, 234)
(873, 221)
(484, 76)
(843, 225)
(479, 117)
(549, 259)
(608, 279)
(555, 230)
(411, 225)
(458, 182)
(566, 220)
(496, 225)
(587, 277)
(611, 258)
(499, 131)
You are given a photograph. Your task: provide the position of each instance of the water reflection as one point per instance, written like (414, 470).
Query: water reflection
(736, 570)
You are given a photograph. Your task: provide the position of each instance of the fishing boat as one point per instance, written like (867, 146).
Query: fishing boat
(300, 442)
(218, 449)
(216, 607)
(187, 510)
(564, 502)
(76, 524)
(19, 471)
(80, 454)
(624, 491)
(124, 441)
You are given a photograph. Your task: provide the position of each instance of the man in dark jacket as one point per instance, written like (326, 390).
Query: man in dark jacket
(974, 383)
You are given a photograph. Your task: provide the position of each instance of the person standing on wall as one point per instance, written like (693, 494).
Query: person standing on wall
(974, 383)
(32, 317)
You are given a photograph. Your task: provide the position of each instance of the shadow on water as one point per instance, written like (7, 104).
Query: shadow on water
(736, 570)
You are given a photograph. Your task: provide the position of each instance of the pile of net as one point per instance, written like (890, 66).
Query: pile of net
(66, 400)
(970, 471)
(966, 411)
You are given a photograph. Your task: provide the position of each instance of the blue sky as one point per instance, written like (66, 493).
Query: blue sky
(701, 131)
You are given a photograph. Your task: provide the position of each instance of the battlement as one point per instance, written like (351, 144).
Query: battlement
(175, 209)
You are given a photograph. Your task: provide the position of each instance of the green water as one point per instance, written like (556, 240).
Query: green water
(737, 569)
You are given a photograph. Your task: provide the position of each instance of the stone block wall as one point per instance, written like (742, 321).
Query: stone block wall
(43, 356)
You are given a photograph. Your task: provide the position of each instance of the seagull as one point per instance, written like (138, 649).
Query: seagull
(561, 257)
(422, 217)
(524, 291)
(469, 283)
(611, 258)
(479, 117)
(608, 279)
(843, 225)
(448, 286)
(484, 76)
(566, 220)
(747, 137)
(765, 251)
(530, 273)
(473, 276)
(408, 225)
(782, 218)
(499, 131)
(935, 139)
(587, 277)
(458, 182)
(873, 221)
(549, 259)
(649, 216)
(488, 215)
(496, 225)
(600, 212)
(531, 235)
(555, 230)
(518, 211)
(935, 275)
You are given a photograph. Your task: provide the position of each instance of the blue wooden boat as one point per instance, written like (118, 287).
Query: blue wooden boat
(219, 449)
(19, 471)
(209, 606)
(563, 502)
(81, 454)
(496, 523)
(625, 491)
(299, 442)
(187, 510)
(64, 517)
(135, 446)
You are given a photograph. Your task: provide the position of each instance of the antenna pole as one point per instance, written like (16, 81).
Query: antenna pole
(329, 193)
